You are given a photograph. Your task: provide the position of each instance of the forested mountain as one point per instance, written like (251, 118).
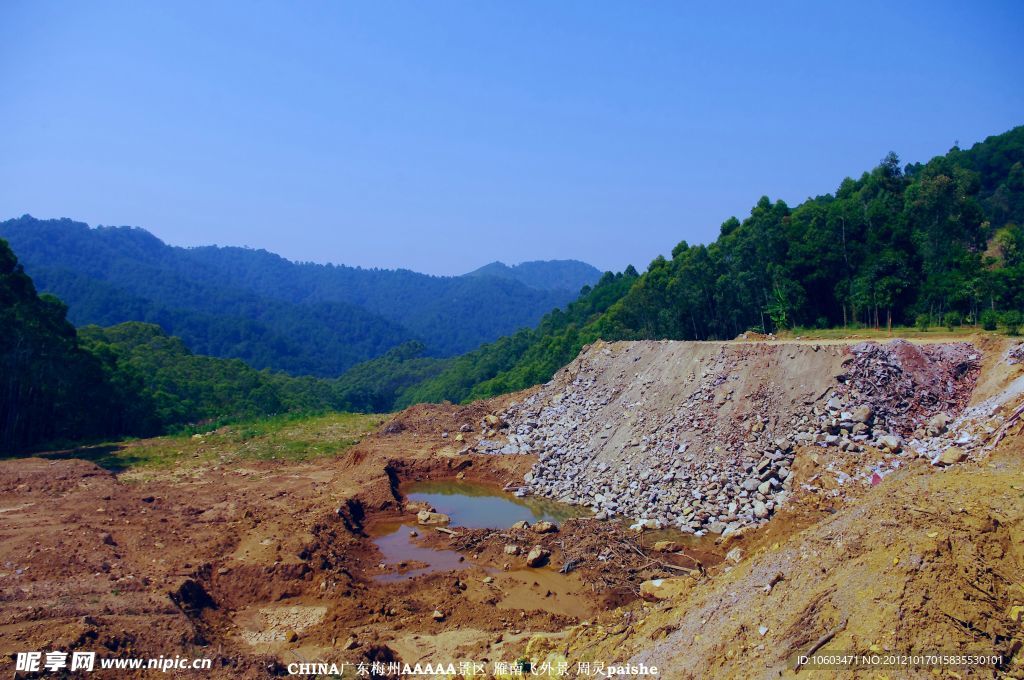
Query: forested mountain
(256, 306)
(569, 275)
(528, 357)
(177, 387)
(940, 242)
(896, 244)
(133, 379)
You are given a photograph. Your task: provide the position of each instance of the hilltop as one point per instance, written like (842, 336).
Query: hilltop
(570, 275)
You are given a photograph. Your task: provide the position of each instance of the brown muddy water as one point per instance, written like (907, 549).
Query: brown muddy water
(475, 505)
(469, 504)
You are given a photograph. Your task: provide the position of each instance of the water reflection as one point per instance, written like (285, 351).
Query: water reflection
(481, 506)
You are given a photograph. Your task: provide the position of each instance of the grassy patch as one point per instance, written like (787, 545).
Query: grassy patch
(288, 438)
(909, 332)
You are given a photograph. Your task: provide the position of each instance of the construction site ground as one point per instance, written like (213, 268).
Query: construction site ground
(258, 551)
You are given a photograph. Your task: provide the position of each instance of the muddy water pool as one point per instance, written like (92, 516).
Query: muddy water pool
(469, 505)
(479, 506)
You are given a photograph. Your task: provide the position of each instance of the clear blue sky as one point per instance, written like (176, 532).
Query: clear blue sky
(439, 136)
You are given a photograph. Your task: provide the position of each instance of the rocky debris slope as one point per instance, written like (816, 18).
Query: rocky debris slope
(702, 436)
(1015, 355)
(903, 384)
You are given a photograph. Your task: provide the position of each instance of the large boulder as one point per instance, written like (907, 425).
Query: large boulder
(428, 518)
(862, 414)
(890, 442)
(545, 527)
(952, 455)
(937, 424)
(537, 557)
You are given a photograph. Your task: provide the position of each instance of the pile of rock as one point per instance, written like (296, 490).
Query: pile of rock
(685, 469)
(901, 398)
(1015, 355)
(905, 384)
(615, 446)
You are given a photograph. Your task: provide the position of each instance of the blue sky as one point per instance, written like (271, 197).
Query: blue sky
(439, 136)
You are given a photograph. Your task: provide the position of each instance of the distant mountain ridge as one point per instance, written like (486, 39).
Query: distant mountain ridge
(301, 318)
(570, 275)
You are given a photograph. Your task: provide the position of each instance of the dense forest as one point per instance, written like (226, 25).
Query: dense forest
(62, 386)
(528, 357)
(174, 387)
(50, 388)
(301, 318)
(898, 245)
(939, 243)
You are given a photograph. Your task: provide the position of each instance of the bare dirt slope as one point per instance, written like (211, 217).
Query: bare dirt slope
(259, 563)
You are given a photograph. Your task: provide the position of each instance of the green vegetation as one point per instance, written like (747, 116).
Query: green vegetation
(1012, 321)
(989, 319)
(178, 387)
(942, 240)
(50, 389)
(377, 385)
(529, 356)
(300, 318)
(287, 437)
(59, 386)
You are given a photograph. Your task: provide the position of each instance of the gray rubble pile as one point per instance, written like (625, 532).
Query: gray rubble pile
(682, 464)
(685, 469)
(896, 394)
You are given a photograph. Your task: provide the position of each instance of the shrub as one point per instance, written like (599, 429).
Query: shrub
(923, 322)
(951, 319)
(1012, 320)
(989, 319)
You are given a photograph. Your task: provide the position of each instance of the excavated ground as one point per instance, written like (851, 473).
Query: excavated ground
(261, 564)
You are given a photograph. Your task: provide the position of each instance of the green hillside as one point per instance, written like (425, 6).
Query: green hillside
(50, 388)
(926, 244)
(301, 318)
